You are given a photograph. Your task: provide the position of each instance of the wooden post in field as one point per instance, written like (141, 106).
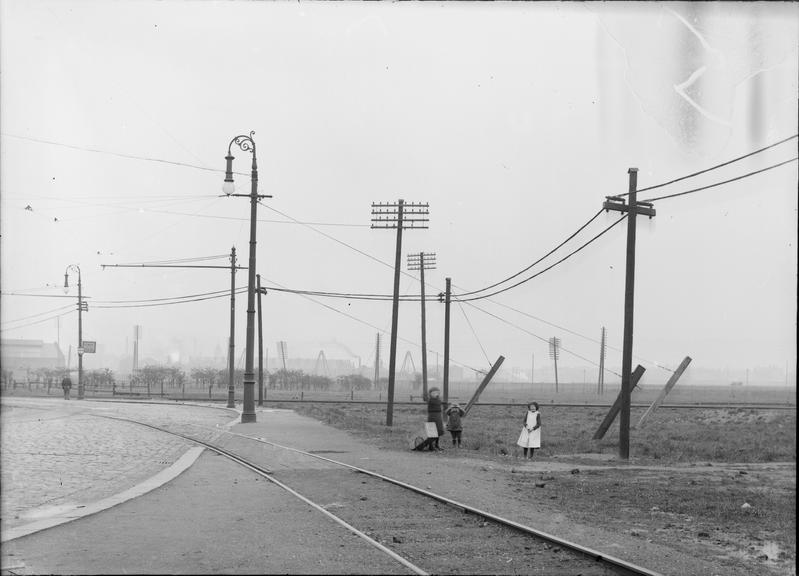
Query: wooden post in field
(614, 410)
(484, 383)
(447, 299)
(633, 208)
(600, 385)
(666, 389)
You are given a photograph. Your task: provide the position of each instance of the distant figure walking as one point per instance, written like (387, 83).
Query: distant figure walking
(454, 414)
(530, 438)
(66, 384)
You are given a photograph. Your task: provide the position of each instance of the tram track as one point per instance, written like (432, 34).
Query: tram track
(425, 528)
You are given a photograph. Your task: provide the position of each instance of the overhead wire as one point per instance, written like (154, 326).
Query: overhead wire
(741, 177)
(508, 322)
(61, 315)
(182, 301)
(475, 334)
(41, 295)
(150, 300)
(681, 178)
(384, 331)
(328, 236)
(118, 154)
(550, 267)
(594, 340)
(580, 229)
(184, 260)
(59, 309)
(350, 295)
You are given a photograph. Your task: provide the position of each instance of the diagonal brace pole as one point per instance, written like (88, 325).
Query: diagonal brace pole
(484, 383)
(614, 410)
(666, 389)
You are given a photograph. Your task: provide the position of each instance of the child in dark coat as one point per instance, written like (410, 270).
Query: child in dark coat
(454, 414)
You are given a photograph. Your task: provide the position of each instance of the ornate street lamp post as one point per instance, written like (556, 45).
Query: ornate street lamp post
(80, 324)
(247, 144)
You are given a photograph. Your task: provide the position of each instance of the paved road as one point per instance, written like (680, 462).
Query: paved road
(215, 517)
(57, 456)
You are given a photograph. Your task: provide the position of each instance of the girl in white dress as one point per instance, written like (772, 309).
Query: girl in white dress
(530, 438)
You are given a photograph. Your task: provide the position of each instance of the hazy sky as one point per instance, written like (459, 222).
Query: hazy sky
(512, 120)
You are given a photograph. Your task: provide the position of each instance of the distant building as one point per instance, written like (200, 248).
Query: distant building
(23, 357)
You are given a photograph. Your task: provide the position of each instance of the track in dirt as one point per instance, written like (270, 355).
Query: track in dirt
(424, 531)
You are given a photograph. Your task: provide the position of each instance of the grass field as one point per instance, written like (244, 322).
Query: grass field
(673, 435)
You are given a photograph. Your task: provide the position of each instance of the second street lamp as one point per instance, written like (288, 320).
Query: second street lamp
(247, 144)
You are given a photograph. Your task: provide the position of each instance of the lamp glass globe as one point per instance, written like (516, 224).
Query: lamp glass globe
(228, 187)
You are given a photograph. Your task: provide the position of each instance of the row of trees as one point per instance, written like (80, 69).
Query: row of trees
(156, 377)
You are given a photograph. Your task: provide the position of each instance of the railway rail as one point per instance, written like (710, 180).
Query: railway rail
(412, 515)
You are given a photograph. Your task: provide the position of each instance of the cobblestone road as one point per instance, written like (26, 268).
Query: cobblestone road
(58, 455)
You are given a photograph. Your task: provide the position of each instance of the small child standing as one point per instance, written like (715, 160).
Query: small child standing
(454, 414)
(530, 438)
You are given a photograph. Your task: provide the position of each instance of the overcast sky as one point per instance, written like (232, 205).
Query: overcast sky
(512, 120)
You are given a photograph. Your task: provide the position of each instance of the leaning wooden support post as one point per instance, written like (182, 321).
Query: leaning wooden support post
(666, 389)
(614, 410)
(483, 384)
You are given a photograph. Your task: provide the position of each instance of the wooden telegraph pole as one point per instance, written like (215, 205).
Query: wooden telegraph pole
(393, 215)
(377, 362)
(600, 385)
(632, 208)
(260, 343)
(231, 391)
(446, 297)
(554, 352)
(422, 262)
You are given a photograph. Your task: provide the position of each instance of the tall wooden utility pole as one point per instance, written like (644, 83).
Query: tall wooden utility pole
(632, 208)
(260, 343)
(376, 382)
(600, 384)
(446, 297)
(422, 262)
(554, 353)
(392, 215)
(231, 390)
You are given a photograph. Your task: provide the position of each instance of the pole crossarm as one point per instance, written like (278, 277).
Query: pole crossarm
(401, 214)
(259, 196)
(619, 204)
(422, 260)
